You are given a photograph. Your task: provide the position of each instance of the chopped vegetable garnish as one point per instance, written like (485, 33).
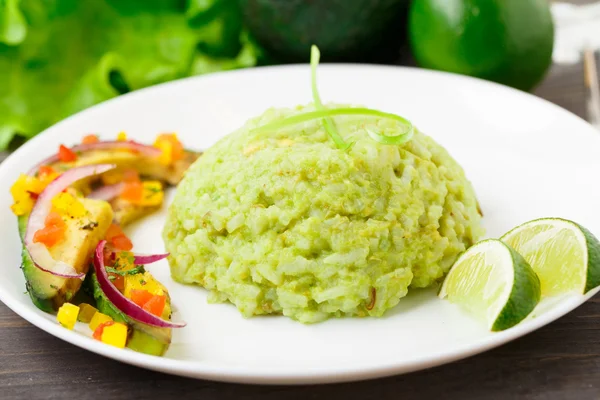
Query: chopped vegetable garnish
(122, 242)
(147, 193)
(156, 304)
(86, 313)
(67, 315)
(118, 239)
(47, 174)
(170, 146)
(148, 258)
(65, 154)
(90, 139)
(115, 145)
(53, 231)
(24, 192)
(121, 302)
(140, 297)
(118, 281)
(124, 261)
(114, 334)
(137, 270)
(98, 319)
(297, 119)
(39, 253)
(315, 55)
(100, 329)
(132, 192)
(113, 230)
(66, 204)
(121, 137)
(142, 282)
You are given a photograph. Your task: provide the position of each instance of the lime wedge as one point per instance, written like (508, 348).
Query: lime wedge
(565, 255)
(494, 283)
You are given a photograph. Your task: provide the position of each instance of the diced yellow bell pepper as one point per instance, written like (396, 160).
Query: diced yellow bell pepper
(69, 205)
(170, 146)
(23, 192)
(67, 315)
(166, 155)
(98, 319)
(86, 313)
(115, 335)
(122, 136)
(124, 261)
(143, 281)
(47, 178)
(152, 193)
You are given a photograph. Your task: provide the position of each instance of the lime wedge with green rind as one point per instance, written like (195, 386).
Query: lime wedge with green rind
(564, 254)
(494, 283)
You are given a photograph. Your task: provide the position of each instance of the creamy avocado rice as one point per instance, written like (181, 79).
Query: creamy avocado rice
(284, 222)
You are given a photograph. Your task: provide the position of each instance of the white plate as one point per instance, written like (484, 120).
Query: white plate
(526, 158)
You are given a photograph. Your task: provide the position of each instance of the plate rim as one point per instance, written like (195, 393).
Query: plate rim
(279, 375)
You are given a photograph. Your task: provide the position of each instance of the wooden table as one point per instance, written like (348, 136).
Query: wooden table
(560, 361)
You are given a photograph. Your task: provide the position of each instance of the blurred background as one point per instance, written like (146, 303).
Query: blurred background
(58, 57)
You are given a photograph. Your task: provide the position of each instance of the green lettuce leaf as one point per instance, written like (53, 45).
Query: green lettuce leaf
(12, 23)
(58, 57)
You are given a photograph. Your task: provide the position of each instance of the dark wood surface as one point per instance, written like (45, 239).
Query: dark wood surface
(560, 361)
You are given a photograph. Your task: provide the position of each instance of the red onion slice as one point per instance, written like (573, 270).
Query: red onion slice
(124, 304)
(141, 259)
(106, 145)
(108, 192)
(37, 219)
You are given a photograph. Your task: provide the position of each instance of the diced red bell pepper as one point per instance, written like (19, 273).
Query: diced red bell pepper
(65, 154)
(98, 332)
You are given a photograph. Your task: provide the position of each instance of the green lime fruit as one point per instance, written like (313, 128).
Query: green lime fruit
(494, 283)
(506, 41)
(564, 255)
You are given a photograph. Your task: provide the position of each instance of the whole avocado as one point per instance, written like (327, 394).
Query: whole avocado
(344, 30)
(505, 41)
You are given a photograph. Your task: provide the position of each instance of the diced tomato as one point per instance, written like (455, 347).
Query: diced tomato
(54, 219)
(100, 329)
(156, 305)
(65, 154)
(45, 170)
(49, 235)
(122, 242)
(113, 230)
(90, 139)
(140, 296)
(116, 237)
(118, 281)
(133, 191)
(53, 231)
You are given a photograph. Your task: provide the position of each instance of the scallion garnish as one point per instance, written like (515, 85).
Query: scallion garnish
(304, 117)
(315, 55)
(326, 114)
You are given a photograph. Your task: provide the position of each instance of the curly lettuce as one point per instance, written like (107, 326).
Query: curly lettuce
(58, 57)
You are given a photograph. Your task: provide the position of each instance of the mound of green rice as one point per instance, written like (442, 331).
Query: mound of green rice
(286, 223)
